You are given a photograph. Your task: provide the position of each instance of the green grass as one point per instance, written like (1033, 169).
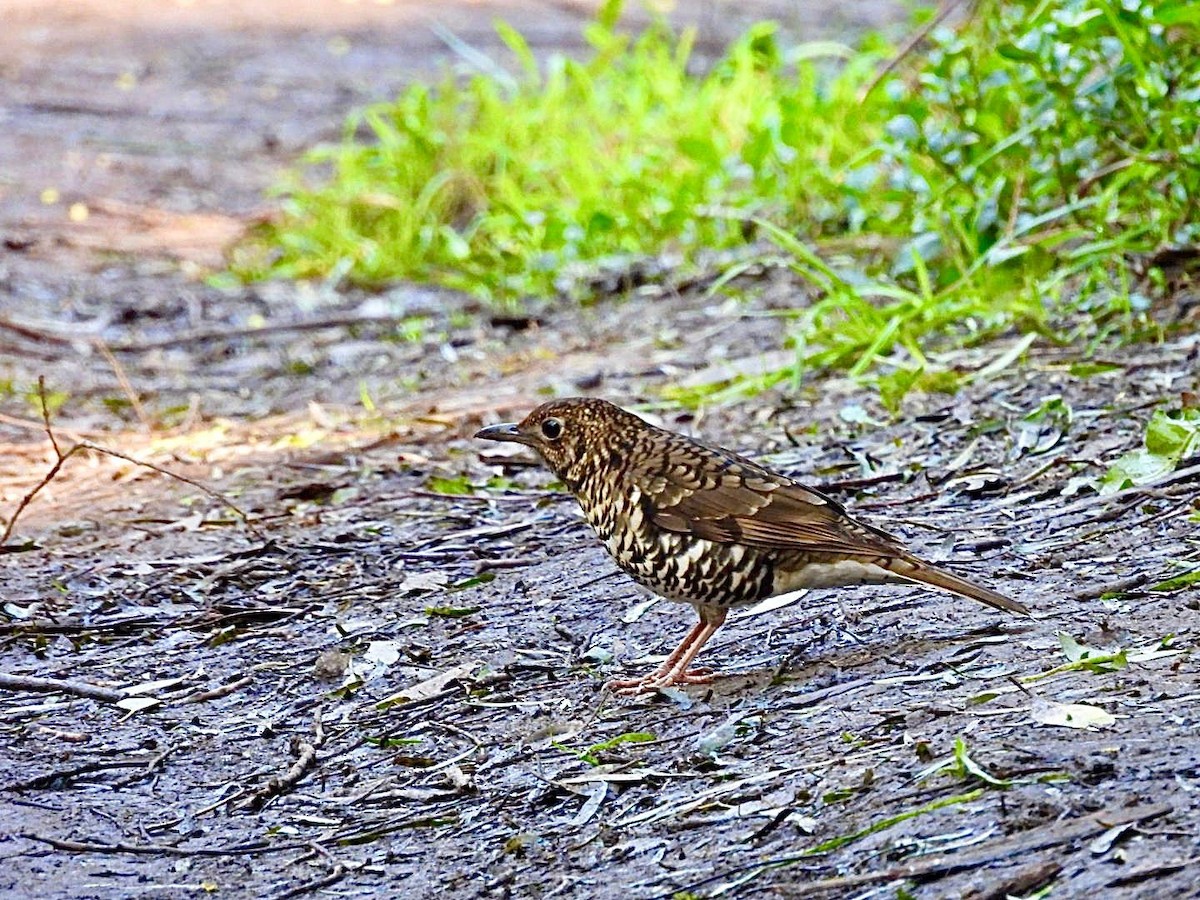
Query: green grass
(499, 185)
(1005, 175)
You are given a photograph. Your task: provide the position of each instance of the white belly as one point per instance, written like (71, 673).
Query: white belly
(830, 575)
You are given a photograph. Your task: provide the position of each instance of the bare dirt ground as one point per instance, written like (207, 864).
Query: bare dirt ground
(375, 687)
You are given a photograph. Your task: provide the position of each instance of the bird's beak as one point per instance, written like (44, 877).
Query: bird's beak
(507, 432)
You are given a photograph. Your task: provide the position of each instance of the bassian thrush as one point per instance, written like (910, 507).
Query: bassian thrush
(702, 525)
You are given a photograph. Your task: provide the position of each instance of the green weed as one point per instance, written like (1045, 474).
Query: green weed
(500, 185)
(1006, 176)
(1171, 436)
(961, 765)
(1028, 157)
(884, 824)
(1082, 658)
(592, 755)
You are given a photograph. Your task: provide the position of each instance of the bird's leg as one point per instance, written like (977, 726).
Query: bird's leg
(674, 669)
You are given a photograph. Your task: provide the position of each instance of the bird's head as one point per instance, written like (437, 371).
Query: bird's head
(569, 434)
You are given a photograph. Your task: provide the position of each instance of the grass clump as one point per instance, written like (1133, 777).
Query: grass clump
(500, 184)
(1007, 174)
(1030, 158)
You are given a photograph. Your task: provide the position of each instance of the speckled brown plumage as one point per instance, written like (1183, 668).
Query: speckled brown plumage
(702, 525)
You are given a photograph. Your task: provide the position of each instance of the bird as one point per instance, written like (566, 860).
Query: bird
(699, 524)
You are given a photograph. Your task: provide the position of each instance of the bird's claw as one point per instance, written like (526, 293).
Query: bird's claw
(647, 684)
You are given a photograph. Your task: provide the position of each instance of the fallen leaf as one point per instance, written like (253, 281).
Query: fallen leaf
(1071, 715)
(151, 687)
(638, 610)
(423, 581)
(596, 795)
(137, 704)
(430, 687)
(383, 653)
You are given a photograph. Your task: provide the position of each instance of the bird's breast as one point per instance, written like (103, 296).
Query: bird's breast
(676, 565)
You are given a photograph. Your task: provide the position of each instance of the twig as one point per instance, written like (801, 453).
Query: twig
(207, 335)
(62, 457)
(28, 498)
(46, 418)
(216, 693)
(309, 887)
(126, 384)
(1022, 882)
(237, 794)
(49, 778)
(216, 495)
(1143, 873)
(910, 45)
(69, 626)
(1120, 586)
(306, 756)
(163, 849)
(34, 334)
(58, 686)
(147, 769)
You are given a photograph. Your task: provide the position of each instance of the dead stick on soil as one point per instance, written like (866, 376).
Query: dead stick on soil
(34, 334)
(218, 692)
(58, 686)
(61, 458)
(1120, 586)
(206, 335)
(306, 756)
(63, 776)
(311, 887)
(147, 770)
(164, 849)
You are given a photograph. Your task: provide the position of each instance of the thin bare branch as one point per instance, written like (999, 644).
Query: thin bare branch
(126, 385)
(215, 495)
(36, 685)
(62, 457)
(165, 849)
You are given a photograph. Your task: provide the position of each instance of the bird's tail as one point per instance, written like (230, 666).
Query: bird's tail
(915, 569)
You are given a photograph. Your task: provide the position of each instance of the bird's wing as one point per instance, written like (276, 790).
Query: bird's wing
(719, 496)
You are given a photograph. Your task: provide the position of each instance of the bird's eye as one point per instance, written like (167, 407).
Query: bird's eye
(552, 429)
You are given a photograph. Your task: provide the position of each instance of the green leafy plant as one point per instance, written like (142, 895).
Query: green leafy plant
(503, 184)
(1003, 176)
(1028, 156)
(454, 485)
(1062, 130)
(1171, 436)
(963, 766)
(1082, 658)
(592, 755)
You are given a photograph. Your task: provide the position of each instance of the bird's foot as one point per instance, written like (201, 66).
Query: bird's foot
(647, 684)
